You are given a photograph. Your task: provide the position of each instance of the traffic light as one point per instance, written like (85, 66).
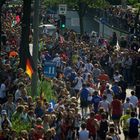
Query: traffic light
(62, 21)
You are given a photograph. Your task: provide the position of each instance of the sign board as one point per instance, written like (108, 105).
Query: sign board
(50, 70)
(62, 9)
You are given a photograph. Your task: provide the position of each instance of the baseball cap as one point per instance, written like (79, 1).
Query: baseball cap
(3, 112)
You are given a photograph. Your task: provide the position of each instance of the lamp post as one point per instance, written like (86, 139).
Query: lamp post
(35, 46)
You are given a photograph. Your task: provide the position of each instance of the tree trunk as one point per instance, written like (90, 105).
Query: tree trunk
(0, 27)
(81, 12)
(24, 46)
(81, 23)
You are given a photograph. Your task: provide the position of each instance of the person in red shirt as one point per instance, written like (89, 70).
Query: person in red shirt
(102, 87)
(92, 126)
(116, 111)
(98, 115)
(103, 76)
(39, 132)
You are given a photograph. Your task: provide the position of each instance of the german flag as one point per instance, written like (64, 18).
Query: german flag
(26, 62)
(29, 69)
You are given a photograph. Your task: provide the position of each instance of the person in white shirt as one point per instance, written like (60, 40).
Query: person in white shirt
(89, 66)
(105, 104)
(19, 90)
(57, 60)
(83, 133)
(127, 105)
(79, 82)
(2, 92)
(109, 93)
(117, 76)
(133, 99)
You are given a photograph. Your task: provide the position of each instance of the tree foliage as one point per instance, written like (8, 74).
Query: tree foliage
(80, 6)
(114, 2)
(133, 2)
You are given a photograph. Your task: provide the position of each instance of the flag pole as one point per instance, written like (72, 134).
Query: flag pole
(34, 83)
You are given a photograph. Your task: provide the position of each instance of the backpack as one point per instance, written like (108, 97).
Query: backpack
(103, 129)
(133, 126)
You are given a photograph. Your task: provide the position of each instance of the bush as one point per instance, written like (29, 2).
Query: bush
(44, 87)
(18, 126)
(47, 90)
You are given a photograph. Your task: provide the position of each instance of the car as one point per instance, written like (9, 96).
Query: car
(48, 29)
(93, 34)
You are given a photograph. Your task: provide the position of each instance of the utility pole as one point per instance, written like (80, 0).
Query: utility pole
(0, 26)
(103, 19)
(34, 83)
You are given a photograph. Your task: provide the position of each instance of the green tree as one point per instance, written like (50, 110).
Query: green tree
(80, 6)
(132, 2)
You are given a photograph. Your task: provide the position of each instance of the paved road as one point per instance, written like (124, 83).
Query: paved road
(128, 95)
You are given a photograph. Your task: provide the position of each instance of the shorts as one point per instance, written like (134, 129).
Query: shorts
(89, 102)
(91, 136)
(84, 104)
(125, 132)
(133, 135)
(116, 117)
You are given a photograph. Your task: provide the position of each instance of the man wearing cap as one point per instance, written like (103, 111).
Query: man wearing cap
(4, 121)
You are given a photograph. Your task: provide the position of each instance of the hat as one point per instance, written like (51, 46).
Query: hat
(3, 112)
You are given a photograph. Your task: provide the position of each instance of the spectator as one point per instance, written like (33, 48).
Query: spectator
(123, 123)
(116, 112)
(9, 106)
(92, 126)
(133, 100)
(133, 124)
(84, 133)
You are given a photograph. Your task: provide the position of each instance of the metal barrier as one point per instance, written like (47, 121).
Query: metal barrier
(112, 20)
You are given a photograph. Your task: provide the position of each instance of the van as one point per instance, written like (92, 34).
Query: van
(48, 29)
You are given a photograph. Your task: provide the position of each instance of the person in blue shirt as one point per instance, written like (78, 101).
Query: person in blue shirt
(67, 71)
(84, 99)
(39, 112)
(95, 101)
(116, 90)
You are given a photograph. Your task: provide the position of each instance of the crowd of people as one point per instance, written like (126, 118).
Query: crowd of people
(124, 19)
(90, 87)
(127, 17)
